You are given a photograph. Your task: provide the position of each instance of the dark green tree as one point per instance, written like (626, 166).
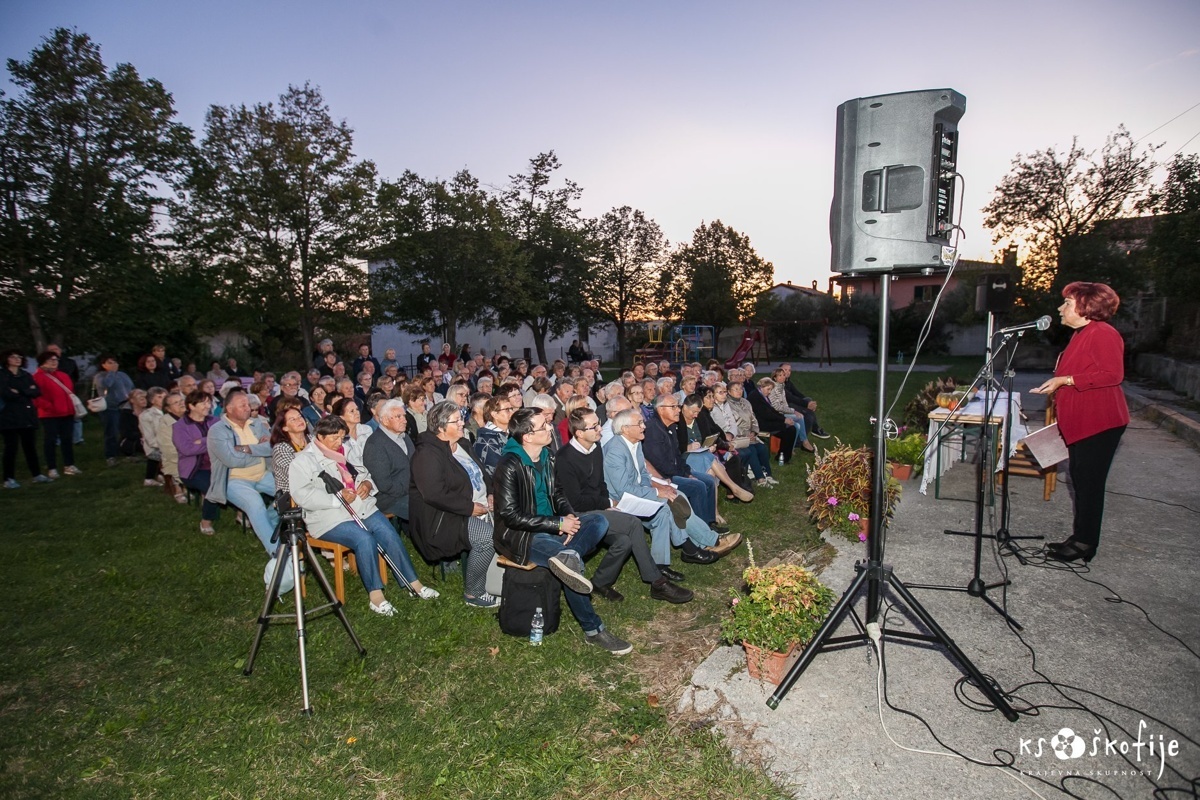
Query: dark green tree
(1173, 249)
(279, 210)
(627, 258)
(84, 155)
(448, 255)
(551, 254)
(795, 321)
(716, 279)
(1049, 196)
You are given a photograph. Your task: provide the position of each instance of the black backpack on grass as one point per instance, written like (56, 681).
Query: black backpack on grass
(525, 591)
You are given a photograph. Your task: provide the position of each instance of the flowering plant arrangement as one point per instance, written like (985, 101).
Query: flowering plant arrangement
(839, 489)
(780, 605)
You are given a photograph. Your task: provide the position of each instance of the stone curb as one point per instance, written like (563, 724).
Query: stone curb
(1164, 417)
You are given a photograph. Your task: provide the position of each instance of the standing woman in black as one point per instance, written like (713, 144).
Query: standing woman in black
(1090, 406)
(18, 419)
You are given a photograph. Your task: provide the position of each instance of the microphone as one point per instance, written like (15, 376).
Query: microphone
(1042, 323)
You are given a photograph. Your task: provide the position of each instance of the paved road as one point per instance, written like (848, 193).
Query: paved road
(826, 738)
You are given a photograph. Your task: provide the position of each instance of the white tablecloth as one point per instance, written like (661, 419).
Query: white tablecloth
(940, 451)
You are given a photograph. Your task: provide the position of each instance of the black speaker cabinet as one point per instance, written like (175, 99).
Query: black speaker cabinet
(995, 293)
(894, 187)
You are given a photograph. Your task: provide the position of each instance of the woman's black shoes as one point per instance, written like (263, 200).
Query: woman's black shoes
(1071, 551)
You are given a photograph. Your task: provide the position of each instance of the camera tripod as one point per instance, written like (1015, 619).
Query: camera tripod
(291, 537)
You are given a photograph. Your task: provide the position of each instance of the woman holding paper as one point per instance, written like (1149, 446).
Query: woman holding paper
(1091, 408)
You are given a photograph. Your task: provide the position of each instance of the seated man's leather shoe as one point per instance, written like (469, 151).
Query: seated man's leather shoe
(665, 590)
(726, 543)
(608, 593)
(700, 557)
(672, 575)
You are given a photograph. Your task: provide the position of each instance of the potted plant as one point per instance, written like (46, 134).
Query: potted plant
(906, 455)
(839, 490)
(780, 609)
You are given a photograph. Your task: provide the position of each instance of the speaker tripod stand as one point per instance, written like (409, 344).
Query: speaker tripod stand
(291, 537)
(874, 574)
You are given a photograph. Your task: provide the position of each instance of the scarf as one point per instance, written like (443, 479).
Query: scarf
(338, 457)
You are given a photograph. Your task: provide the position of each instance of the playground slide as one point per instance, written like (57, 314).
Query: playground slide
(742, 353)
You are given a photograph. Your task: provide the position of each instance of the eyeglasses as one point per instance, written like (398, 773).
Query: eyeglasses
(670, 405)
(541, 429)
(595, 427)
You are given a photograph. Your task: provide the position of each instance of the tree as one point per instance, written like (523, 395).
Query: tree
(1048, 196)
(626, 262)
(448, 255)
(717, 279)
(551, 257)
(280, 209)
(83, 152)
(795, 321)
(1174, 246)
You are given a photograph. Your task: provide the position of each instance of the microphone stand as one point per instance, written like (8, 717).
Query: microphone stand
(1003, 537)
(976, 587)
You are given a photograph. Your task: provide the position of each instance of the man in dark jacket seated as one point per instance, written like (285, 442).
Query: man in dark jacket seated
(535, 523)
(661, 448)
(805, 406)
(387, 455)
(580, 470)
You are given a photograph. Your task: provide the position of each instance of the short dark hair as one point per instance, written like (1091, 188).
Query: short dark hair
(14, 352)
(520, 424)
(331, 424)
(1094, 301)
(339, 405)
(196, 396)
(575, 419)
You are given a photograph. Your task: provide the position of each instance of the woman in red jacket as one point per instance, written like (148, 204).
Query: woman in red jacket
(56, 411)
(1091, 408)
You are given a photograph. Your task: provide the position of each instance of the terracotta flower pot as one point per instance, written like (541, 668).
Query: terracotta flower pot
(901, 472)
(769, 666)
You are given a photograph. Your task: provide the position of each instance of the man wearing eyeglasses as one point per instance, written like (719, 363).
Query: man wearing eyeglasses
(580, 469)
(536, 524)
(662, 451)
(289, 386)
(627, 471)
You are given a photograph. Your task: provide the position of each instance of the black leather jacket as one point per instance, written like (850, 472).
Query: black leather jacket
(517, 519)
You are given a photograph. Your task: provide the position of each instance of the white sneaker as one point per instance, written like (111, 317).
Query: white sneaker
(385, 609)
(149, 482)
(181, 498)
(427, 593)
(52, 474)
(72, 471)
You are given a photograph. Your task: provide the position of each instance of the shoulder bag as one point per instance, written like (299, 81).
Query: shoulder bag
(80, 410)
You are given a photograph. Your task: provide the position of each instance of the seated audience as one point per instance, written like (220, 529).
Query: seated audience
(366, 530)
(448, 497)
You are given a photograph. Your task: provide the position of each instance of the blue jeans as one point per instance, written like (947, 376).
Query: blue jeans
(248, 497)
(757, 456)
(379, 532)
(110, 418)
(545, 546)
(701, 492)
(199, 481)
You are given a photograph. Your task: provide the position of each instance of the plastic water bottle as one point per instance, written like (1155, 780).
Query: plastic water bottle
(536, 626)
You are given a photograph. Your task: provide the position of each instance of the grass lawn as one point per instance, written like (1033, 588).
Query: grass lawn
(125, 632)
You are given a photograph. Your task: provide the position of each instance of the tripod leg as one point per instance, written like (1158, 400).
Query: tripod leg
(831, 622)
(327, 590)
(959, 657)
(306, 708)
(264, 618)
